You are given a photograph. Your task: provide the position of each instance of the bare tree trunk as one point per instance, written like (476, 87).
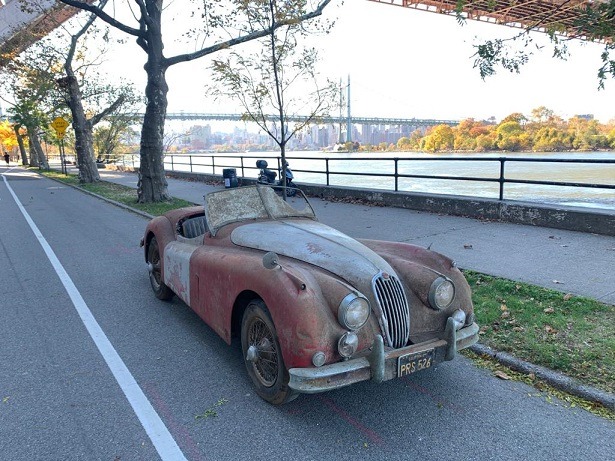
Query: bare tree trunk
(33, 156)
(36, 149)
(22, 148)
(88, 172)
(152, 184)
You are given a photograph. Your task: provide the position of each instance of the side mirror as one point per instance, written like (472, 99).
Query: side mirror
(270, 260)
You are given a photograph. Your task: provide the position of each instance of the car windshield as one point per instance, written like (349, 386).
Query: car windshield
(254, 202)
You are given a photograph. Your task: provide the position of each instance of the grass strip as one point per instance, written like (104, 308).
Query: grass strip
(119, 193)
(570, 334)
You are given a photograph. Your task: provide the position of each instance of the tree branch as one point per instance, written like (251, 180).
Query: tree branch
(75, 38)
(243, 39)
(98, 117)
(97, 10)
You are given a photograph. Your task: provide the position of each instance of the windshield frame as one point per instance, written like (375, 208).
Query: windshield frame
(252, 203)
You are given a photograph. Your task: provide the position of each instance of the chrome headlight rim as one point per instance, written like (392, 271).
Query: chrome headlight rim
(348, 305)
(437, 290)
(347, 344)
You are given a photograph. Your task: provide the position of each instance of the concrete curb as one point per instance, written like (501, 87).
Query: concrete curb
(555, 379)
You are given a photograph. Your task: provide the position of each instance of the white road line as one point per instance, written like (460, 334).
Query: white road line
(156, 430)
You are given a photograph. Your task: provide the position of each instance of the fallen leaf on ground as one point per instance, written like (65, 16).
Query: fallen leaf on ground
(567, 297)
(549, 310)
(501, 375)
(550, 330)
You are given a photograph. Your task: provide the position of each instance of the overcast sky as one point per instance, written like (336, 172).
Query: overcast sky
(410, 63)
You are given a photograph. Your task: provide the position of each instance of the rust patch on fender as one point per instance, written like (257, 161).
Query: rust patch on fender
(315, 248)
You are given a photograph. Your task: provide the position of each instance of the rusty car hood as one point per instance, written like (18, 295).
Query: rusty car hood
(315, 243)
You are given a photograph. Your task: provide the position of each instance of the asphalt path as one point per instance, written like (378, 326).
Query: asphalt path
(65, 396)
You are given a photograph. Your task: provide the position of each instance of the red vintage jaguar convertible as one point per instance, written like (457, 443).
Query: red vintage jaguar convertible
(315, 309)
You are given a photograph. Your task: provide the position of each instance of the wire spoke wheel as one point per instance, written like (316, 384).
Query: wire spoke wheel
(263, 355)
(266, 361)
(155, 272)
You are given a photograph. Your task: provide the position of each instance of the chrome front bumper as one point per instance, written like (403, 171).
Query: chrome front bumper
(379, 365)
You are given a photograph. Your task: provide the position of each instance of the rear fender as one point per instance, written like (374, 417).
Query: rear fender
(162, 229)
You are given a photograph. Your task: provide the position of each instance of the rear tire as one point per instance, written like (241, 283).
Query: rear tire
(161, 291)
(262, 355)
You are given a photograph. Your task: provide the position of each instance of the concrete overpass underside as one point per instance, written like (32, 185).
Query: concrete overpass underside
(559, 16)
(23, 22)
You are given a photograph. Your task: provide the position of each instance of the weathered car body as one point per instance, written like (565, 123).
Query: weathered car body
(315, 309)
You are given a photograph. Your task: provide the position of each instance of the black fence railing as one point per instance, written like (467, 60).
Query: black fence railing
(392, 167)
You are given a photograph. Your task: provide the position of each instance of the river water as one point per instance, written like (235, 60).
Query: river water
(349, 169)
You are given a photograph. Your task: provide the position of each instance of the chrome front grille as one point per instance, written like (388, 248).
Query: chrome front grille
(394, 307)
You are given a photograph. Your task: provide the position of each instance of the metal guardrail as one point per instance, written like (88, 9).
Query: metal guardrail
(191, 162)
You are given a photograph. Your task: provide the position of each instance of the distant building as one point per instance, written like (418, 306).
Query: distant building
(200, 137)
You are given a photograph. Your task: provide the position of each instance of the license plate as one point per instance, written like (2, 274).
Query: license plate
(411, 363)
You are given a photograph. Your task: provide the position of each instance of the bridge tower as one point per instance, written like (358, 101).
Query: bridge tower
(348, 119)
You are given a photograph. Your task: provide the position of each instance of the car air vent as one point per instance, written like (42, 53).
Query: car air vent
(394, 307)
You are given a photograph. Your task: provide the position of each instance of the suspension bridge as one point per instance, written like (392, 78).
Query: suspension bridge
(413, 122)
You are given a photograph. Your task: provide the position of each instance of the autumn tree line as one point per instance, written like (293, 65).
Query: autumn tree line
(542, 131)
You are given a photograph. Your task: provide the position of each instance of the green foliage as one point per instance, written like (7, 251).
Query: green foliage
(550, 140)
(593, 21)
(440, 137)
(495, 53)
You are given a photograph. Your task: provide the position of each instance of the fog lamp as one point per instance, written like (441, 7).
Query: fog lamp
(348, 343)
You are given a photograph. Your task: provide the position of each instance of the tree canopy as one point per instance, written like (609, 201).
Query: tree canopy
(593, 21)
(543, 131)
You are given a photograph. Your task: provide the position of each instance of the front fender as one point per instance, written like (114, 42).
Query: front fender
(304, 320)
(417, 268)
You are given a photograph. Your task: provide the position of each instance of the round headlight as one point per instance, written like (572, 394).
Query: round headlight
(348, 343)
(441, 293)
(353, 311)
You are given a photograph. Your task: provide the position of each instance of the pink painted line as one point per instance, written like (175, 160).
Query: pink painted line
(370, 434)
(423, 390)
(180, 430)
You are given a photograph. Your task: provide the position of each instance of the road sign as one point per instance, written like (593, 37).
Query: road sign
(60, 125)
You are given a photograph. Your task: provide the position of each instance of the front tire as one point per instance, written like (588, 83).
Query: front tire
(262, 355)
(154, 264)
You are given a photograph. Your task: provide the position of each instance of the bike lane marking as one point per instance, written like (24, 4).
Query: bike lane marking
(158, 433)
